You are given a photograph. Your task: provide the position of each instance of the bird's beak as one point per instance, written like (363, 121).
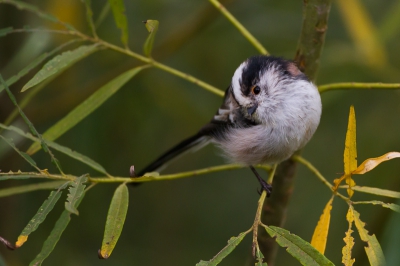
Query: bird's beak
(252, 109)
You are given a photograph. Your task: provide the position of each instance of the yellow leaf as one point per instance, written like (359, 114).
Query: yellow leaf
(21, 240)
(371, 163)
(350, 149)
(349, 240)
(363, 32)
(320, 235)
(373, 250)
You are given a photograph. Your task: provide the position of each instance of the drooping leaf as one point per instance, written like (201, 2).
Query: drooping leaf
(37, 61)
(118, 8)
(373, 250)
(320, 235)
(89, 16)
(152, 27)
(60, 63)
(232, 244)
(115, 220)
(54, 236)
(391, 206)
(21, 153)
(5, 192)
(363, 32)
(371, 163)
(103, 14)
(86, 107)
(378, 191)
(76, 191)
(40, 216)
(5, 31)
(297, 247)
(30, 125)
(67, 151)
(349, 241)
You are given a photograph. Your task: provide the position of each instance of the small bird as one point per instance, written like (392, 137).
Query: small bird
(270, 110)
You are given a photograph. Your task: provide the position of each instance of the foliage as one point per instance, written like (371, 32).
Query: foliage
(57, 62)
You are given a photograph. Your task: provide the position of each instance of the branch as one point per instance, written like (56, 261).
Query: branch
(315, 17)
(358, 86)
(312, 37)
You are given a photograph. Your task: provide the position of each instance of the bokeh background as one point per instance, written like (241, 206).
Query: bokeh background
(183, 221)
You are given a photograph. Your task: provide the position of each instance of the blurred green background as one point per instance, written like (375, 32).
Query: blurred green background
(180, 222)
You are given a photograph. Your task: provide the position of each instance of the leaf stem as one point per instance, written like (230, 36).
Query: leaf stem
(240, 27)
(314, 170)
(257, 222)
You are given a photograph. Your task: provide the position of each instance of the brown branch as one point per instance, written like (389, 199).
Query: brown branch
(315, 17)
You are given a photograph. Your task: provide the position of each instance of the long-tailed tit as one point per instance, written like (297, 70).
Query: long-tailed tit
(269, 111)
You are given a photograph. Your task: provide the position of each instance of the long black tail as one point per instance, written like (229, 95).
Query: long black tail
(186, 145)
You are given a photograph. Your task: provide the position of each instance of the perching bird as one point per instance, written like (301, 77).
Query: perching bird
(270, 110)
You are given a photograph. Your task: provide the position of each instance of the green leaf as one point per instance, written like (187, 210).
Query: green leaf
(40, 216)
(232, 244)
(67, 151)
(87, 107)
(60, 63)
(37, 61)
(115, 220)
(391, 206)
(378, 191)
(103, 14)
(89, 16)
(30, 125)
(54, 236)
(76, 191)
(5, 31)
(297, 247)
(259, 260)
(5, 192)
(373, 250)
(152, 27)
(6, 176)
(118, 8)
(21, 153)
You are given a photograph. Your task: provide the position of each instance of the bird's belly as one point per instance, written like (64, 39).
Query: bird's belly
(259, 145)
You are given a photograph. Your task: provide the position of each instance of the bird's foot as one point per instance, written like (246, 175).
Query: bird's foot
(265, 186)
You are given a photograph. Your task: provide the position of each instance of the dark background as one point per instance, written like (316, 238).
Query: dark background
(182, 221)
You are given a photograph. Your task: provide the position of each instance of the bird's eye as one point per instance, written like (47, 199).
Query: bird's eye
(256, 90)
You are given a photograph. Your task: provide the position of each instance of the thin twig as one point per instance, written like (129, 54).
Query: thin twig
(240, 27)
(358, 86)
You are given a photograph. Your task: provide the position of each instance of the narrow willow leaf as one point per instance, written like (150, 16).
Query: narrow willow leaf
(32, 8)
(37, 61)
(5, 192)
(21, 153)
(86, 107)
(5, 31)
(54, 236)
(378, 191)
(232, 244)
(7, 176)
(320, 235)
(371, 163)
(349, 241)
(118, 8)
(373, 250)
(350, 150)
(152, 27)
(103, 14)
(297, 247)
(89, 16)
(67, 151)
(115, 220)
(76, 191)
(40, 216)
(391, 206)
(30, 125)
(60, 63)
(363, 31)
